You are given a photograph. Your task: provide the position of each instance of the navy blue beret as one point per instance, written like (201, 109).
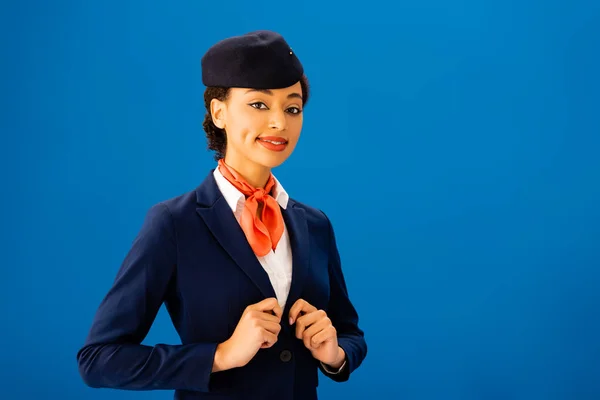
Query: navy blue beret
(257, 60)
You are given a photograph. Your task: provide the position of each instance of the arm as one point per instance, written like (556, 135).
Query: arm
(344, 318)
(113, 356)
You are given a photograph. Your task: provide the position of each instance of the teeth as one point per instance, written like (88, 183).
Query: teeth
(272, 141)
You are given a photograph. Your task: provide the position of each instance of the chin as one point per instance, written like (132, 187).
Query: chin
(271, 162)
(272, 159)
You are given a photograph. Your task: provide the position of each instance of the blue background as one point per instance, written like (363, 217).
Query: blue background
(454, 145)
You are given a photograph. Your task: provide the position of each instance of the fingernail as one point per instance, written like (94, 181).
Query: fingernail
(291, 321)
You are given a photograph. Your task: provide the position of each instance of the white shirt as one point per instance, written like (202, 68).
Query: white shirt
(278, 263)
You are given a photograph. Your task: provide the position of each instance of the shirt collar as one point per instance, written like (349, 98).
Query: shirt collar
(235, 198)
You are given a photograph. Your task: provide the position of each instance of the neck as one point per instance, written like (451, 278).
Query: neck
(256, 175)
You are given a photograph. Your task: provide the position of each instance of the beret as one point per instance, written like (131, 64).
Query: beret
(258, 60)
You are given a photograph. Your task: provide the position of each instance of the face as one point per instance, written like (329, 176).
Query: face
(262, 126)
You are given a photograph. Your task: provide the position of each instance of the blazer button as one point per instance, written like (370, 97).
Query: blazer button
(285, 355)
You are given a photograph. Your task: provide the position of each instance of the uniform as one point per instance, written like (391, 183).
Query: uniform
(192, 256)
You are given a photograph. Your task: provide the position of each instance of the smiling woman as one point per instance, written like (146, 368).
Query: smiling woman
(238, 119)
(251, 278)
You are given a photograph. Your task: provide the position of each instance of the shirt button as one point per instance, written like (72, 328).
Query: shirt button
(285, 355)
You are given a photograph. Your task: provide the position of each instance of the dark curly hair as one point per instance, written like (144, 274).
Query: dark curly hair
(217, 140)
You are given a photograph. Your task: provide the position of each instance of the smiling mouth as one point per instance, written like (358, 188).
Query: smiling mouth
(277, 141)
(273, 143)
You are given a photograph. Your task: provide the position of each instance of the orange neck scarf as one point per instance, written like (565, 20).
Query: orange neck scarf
(262, 231)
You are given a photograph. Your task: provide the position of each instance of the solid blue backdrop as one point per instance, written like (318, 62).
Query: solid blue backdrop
(453, 144)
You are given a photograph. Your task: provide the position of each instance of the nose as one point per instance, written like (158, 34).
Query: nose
(277, 120)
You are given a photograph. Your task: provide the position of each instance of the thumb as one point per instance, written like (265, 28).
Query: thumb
(269, 304)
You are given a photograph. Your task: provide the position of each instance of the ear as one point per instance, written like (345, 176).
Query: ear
(217, 112)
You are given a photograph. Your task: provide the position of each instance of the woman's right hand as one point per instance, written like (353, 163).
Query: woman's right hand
(257, 329)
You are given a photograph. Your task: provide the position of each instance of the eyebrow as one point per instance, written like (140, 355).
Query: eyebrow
(270, 93)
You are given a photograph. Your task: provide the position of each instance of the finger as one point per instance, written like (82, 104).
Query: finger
(323, 336)
(270, 326)
(266, 316)
(269, 339)
(262, 316)
(265, 305)
(278, 311)
(312, 330)
(268, 306)
(307, 320)
(300, 306)
(296, 309)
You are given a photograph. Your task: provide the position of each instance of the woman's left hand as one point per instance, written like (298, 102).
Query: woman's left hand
(318, 334)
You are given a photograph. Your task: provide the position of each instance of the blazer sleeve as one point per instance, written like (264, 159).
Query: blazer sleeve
(343, 316)
(113, 356)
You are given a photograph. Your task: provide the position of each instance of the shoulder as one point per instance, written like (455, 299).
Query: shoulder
(314, 217)
(173, 209)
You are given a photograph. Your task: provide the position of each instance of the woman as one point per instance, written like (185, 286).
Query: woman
(250, 277)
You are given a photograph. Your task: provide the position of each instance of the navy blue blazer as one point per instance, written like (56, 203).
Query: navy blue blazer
(192, 255)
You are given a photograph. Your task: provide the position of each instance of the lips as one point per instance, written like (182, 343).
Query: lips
(273, 139)
(273, 143)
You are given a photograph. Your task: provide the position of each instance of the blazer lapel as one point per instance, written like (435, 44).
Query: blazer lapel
(219, 218)
(295, 220)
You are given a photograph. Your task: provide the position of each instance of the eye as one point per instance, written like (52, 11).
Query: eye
(294, 110)
(259, 105)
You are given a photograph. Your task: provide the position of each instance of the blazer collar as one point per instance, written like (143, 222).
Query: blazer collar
(219, 218)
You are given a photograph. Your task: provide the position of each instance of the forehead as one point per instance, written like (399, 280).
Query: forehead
(291, 91)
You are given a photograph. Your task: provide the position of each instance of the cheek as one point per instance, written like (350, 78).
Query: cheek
(251, 125)
(245, 128)
(294, 129)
